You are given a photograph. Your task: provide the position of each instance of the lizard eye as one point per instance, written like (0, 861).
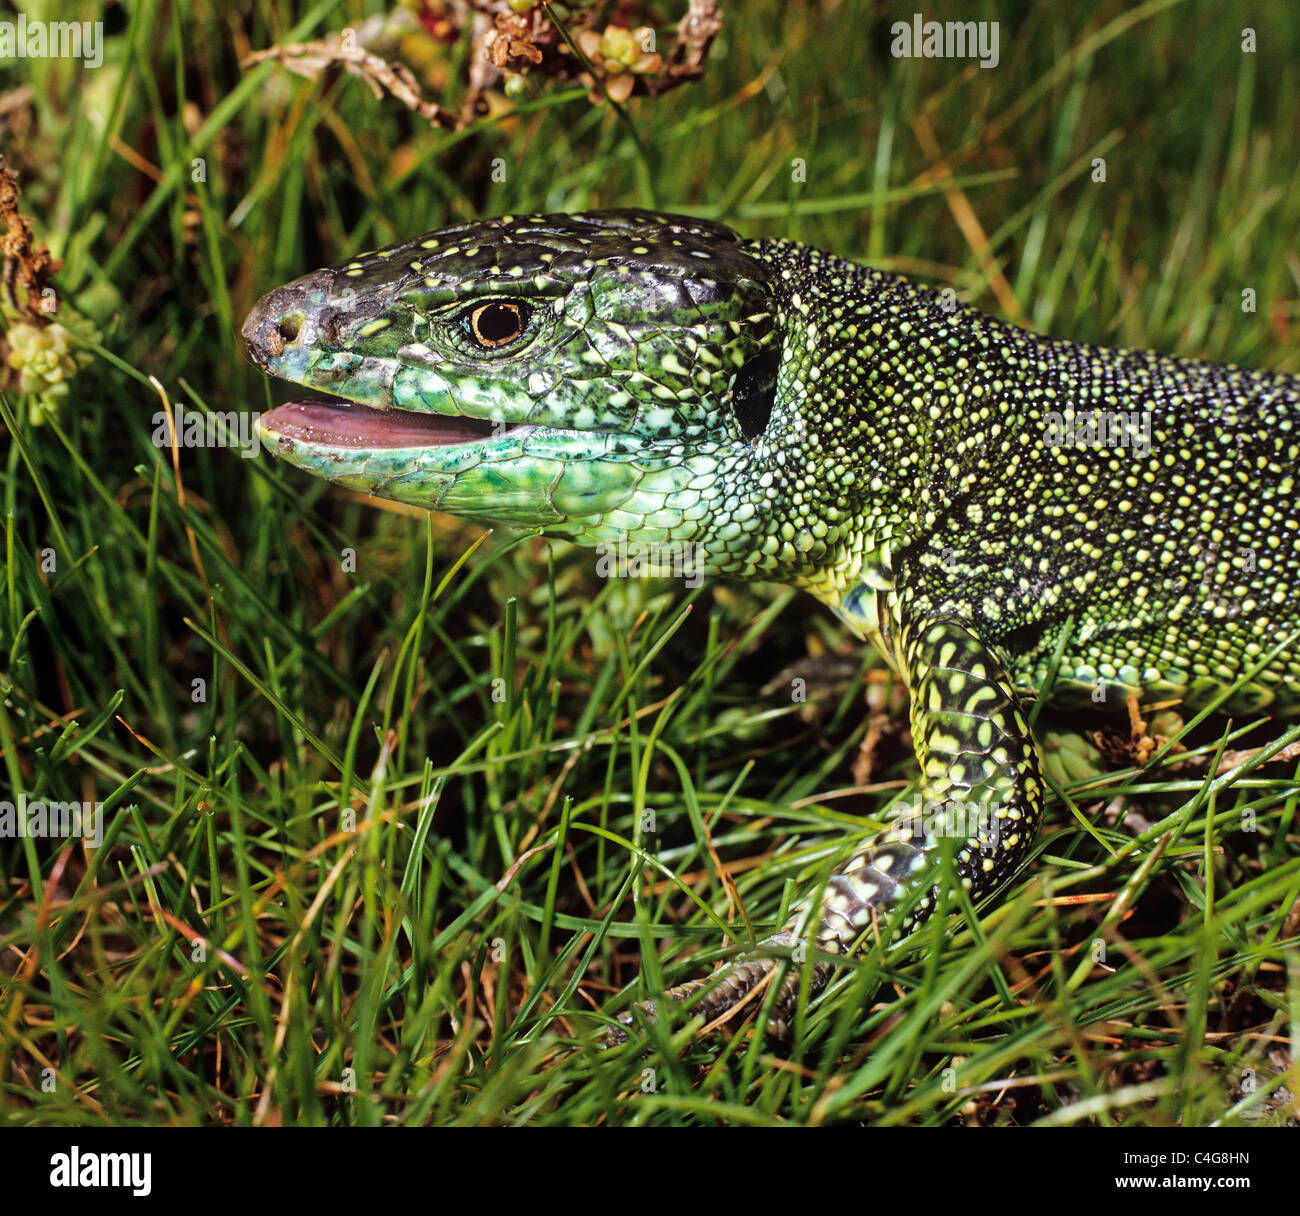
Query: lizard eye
(498, 322)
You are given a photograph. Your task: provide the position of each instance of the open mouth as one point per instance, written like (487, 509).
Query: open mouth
(334, 423)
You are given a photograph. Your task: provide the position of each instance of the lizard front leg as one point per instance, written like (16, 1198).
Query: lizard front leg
(980, 784)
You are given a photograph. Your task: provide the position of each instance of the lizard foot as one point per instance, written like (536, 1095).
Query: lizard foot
(720, 996)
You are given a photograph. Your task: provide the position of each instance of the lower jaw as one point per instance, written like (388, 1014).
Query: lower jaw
(519, 478)
(591, 486)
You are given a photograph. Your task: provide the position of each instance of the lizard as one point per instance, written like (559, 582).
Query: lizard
(1005, 516)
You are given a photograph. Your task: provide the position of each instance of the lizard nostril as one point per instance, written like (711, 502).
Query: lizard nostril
(281, 317)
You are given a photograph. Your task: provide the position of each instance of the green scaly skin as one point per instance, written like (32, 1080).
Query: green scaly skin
(800, 418)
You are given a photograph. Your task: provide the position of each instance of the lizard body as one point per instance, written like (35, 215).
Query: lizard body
(1006, 516)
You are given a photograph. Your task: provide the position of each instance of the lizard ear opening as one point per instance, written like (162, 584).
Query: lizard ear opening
(753, 393)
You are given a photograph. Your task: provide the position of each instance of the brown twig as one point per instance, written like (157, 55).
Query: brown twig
(313, 59)
(510, 44)
(695, 34)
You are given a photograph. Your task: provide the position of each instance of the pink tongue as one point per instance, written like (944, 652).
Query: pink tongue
(359, 426)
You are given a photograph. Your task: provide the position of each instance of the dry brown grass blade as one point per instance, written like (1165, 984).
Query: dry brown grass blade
(25, 262)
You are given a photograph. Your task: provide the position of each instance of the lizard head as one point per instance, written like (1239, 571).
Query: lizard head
(602, 376)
